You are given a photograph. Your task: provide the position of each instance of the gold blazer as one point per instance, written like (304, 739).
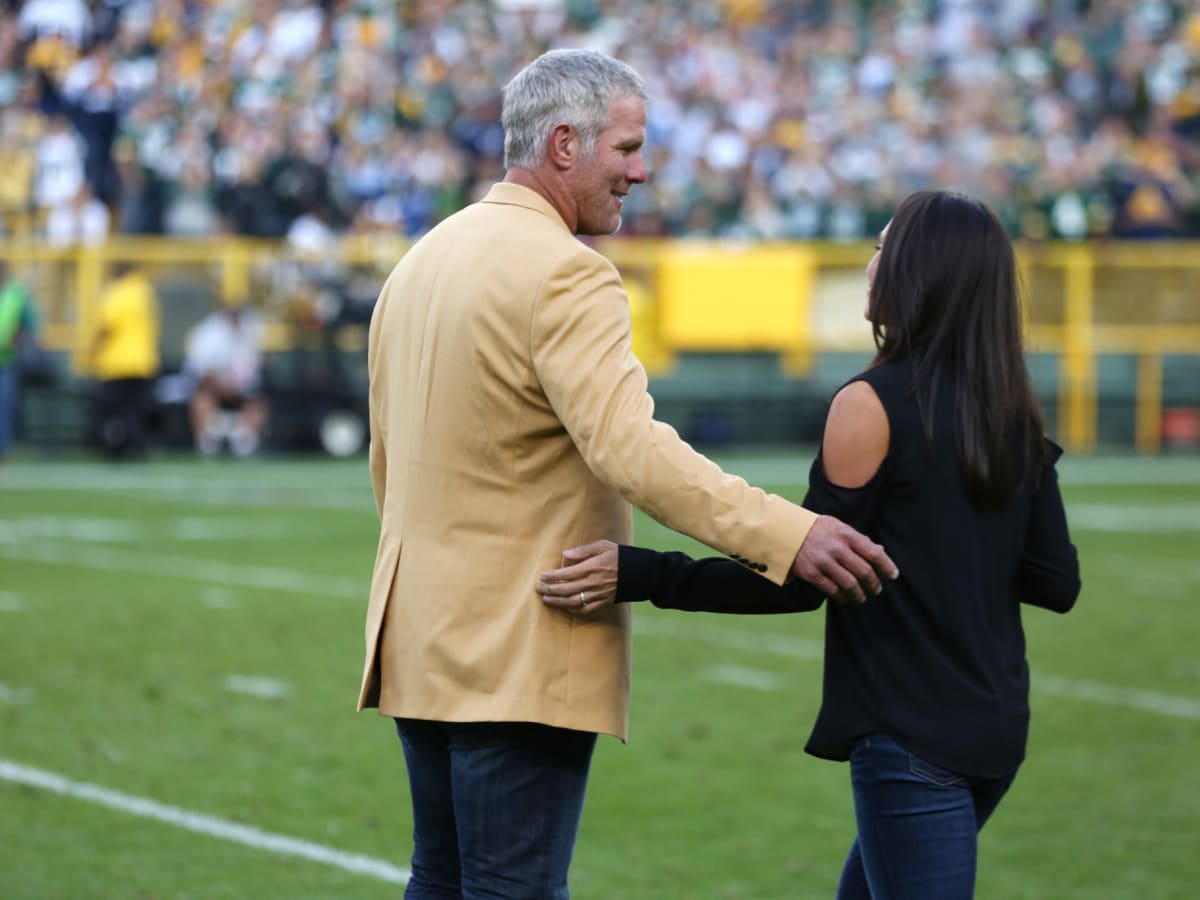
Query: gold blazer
(509, 420)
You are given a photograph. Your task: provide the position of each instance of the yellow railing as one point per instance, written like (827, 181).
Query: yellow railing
(1082, 301)
(794, 299)
(1139, 299)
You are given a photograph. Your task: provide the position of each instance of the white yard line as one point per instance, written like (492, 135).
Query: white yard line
(190, 568)
(245, 835)
(1121, 518)
(189, 476)
(728, 638)
(14, 696)
(191, 480)
(258, 686)
(273, 485)
(1144, 575)
(741, 676)
(678, 627)
(1110, 471)
(44, 529)
(1096, 692)
(50, 529)
(243, 576)
(219, 598)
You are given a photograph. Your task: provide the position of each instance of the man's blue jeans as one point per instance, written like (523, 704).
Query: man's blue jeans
(917, 825)
(496, 808)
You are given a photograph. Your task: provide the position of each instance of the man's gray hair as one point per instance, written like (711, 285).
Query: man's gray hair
(572, 86)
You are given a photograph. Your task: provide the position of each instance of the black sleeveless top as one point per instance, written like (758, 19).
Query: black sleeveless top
(938, 660)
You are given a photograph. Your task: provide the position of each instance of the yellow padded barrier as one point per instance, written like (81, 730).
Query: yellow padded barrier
(1086, 299)
(722, 297)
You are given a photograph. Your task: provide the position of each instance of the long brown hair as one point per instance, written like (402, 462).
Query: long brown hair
(946, 295)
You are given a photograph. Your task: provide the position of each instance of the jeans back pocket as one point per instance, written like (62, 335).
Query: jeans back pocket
(934, 774)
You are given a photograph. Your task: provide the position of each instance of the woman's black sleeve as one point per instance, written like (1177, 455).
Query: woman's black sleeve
(714, 584)
(1049, 573)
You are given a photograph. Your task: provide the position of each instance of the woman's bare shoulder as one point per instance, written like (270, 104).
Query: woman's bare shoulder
(857, 435)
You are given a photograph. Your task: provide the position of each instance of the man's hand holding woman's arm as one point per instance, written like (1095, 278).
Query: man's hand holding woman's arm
(602, 573)
(834, 560)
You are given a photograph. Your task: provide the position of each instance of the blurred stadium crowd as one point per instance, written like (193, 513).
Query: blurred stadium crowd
(311, 120)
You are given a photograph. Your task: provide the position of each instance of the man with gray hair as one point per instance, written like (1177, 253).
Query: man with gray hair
(510, 420)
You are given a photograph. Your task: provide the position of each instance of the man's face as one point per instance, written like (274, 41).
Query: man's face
(602, 179)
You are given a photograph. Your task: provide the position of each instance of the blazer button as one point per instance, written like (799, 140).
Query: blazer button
(762, 567)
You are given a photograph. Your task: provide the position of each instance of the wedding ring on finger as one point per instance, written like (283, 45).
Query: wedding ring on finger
(582, 600)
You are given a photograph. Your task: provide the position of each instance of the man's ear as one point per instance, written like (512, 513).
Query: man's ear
(563, 145)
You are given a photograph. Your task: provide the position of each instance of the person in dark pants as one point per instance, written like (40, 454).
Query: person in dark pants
(124, 357)
(937, 451)
(509, 417)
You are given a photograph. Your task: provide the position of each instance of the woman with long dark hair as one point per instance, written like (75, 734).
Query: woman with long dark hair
(936, 451)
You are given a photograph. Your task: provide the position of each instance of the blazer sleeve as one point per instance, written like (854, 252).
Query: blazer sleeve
(1049, 572)
(583, 358)
(713, 584)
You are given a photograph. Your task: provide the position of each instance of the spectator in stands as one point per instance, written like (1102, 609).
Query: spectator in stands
(18, 162)
(16, 324)
(310, 235)
(396, 133)
(123, 355)
(501, 374)
(247, 204)
(140, 204)
(59, 175)
(224, 360)
(1150, 194)
(81, 221)
(92, 95)
(69, 20)
(190, 208)
(938, 451)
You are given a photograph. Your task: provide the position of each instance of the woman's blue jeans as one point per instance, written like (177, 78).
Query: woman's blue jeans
(917, 825)
(496, 808)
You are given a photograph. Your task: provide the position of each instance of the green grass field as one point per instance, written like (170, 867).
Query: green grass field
(180, 649)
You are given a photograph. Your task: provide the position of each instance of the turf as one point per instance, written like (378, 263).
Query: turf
(129, 597)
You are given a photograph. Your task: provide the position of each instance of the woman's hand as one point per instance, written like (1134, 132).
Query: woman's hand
(587, 583)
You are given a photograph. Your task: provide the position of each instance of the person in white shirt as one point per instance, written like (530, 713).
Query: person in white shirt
(82, 220)
(224, 359)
